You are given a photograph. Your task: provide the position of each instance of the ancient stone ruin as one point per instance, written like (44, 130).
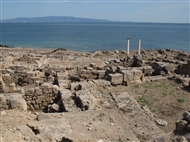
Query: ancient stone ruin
(57, 82)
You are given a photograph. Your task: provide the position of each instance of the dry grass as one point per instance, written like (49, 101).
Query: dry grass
(167, 99)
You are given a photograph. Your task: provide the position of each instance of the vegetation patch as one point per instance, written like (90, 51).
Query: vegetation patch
(136, 86)
(96, 55)
(143, 101)
(102, 114)
(180, 101)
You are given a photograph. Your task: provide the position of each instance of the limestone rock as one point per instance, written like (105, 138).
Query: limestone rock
(55, 89)
(74, 77)
(127, 75)
(27, 133)
(16, 101)
(67, 101)
(3, 103)
(181, 125)
(155, 78)
(62, 76)
(7, 79)
(147, 70)
(115, 79)
(82, 85)
(42, 117)
(64, 84)
(86, 100)
(161, 122)
(54, 108)
(102, 83)
(186, 116)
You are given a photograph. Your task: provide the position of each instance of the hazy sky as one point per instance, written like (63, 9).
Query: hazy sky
(172, 11)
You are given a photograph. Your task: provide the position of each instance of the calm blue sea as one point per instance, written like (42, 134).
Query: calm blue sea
(95, 36)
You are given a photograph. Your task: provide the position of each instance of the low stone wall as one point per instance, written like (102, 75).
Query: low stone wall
(39, 98)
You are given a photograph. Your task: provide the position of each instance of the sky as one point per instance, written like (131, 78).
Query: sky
(161, 11)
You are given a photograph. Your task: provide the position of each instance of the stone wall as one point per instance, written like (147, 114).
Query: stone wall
(39, 98)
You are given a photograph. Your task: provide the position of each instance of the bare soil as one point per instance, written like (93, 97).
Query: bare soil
(167, 99)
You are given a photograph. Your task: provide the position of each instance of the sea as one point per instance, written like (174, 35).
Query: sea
(96, 36)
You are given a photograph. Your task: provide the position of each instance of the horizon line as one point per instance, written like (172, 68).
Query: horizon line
(103, 20)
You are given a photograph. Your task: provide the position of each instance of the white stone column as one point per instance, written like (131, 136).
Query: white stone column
(139, 47)
(128, 45)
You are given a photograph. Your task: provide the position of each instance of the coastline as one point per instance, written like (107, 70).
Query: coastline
(53, 49)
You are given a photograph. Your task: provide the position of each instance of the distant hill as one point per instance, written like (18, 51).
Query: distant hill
(54, 19)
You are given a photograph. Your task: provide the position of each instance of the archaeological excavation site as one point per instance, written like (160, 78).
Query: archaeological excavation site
(102, 96)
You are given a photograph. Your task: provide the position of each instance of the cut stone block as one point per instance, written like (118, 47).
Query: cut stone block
(115, 79)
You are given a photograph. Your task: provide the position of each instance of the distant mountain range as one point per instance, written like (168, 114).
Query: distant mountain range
(54, 19)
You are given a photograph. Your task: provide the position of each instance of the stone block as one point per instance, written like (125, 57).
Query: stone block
(55, 89)
(38, 83)
(62, 76)
(137, 74)
(59, 69)
(89, 74)
(102, 83)
(115, 79)
(47, 90)
(19, 90)
(120, 69)
(64, 84)
(54, 108)
(7, 79)
(38, 91)
(186, 116)
(30, 92)
(147, 70)
(156, 78)
(127, 75)
(66, 98)
(48, 99)
(12, 87)
(46, 85)
(73, 86)
(44, 104)
(16, 101)
(86, 100)
(30, 74)
(36, 106)
(181, 125)
(101, 74)
(74, 77)
(39, 100)
(79, 69)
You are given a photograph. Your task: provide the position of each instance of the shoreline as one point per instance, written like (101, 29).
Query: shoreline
(124, 50)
